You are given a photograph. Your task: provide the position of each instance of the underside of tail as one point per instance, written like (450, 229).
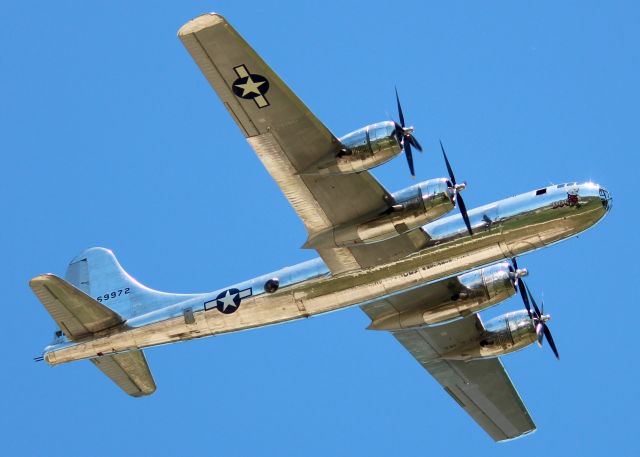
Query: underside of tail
(97, 295)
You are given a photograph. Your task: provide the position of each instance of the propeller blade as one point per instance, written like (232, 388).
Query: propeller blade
(407, 153)
(399, 109)
(535, 306)
(525, 298)
(446, 161)
(415, 143)
(515, 263)
(547, 334)
(463, 210)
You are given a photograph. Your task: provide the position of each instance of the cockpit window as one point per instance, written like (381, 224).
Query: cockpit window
(541, 191)
(560, 186)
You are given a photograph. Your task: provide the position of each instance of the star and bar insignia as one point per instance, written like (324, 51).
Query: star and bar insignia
(228, 301)
(251, 86)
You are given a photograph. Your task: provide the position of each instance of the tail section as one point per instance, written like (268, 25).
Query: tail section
(98, 295)
(97, 273)
(78, 315)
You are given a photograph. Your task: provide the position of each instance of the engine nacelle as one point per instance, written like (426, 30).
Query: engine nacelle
(453, 298)
(361, 150)
(408, 209)
(504, 334)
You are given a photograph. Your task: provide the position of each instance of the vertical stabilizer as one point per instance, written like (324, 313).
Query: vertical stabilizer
(97, 272)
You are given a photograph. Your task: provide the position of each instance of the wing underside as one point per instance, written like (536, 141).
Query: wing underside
(482, 387)
(288, 139)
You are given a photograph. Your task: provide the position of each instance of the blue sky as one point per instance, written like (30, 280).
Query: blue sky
(111, 137)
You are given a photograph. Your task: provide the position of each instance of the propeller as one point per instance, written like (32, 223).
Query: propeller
(456, 189)
(518, 283)
(540, 320)
(405, 137)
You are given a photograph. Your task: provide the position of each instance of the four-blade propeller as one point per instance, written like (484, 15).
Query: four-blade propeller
(456, 189)
(542, 329)
(405, 137)
(539, 318)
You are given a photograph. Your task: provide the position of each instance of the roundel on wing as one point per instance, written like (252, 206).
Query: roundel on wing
(250, 86)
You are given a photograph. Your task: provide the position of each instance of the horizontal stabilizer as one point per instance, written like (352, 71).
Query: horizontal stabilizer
(129, 371)
(77, 314)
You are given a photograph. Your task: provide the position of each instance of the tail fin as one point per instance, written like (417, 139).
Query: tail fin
(97, 273)
(97, 295)
(80, 316)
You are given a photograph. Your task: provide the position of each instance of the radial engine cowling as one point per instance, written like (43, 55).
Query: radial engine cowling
(452, 298)
(502, 335)
(361, 150)
(408, 209)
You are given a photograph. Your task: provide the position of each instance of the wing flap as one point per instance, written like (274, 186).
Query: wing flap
(77, 314)
(129, 371)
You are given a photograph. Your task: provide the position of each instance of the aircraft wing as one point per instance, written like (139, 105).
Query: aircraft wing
(288, 138)
(481, 387)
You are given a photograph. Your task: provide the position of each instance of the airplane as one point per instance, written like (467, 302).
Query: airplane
(416, 267)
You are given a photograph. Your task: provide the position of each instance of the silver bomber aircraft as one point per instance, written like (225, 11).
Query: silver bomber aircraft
(418, 273)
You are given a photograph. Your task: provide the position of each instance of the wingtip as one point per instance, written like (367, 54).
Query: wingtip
(197, 24)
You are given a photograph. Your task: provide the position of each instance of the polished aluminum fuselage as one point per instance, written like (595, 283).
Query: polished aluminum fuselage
(502, 229)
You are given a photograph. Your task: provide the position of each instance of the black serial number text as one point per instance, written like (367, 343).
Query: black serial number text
(114, 294)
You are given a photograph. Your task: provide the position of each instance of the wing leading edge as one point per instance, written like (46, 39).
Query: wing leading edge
(288, 139)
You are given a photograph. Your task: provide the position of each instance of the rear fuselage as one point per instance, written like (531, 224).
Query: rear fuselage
(502, 229)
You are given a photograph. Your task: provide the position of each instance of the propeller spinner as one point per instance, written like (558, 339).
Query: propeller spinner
(405, 137)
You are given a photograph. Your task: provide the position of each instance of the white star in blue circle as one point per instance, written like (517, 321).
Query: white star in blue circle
(228, 301)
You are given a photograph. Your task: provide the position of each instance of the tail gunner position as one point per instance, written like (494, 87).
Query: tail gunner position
(417, 272)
